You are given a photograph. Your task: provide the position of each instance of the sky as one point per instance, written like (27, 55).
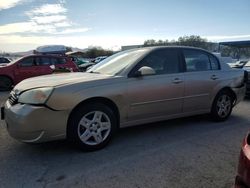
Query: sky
(110, 24)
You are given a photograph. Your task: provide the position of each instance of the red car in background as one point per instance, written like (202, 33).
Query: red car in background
(243, 176)
(31, 66)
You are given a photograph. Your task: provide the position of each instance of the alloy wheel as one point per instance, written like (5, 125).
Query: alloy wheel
(94, 127)
(224, 105)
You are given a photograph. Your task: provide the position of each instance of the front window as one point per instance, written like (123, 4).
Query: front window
(118, 62)
(163, 61)
(28, 62)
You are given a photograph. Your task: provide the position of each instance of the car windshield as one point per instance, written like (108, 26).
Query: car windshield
(247, 64)
(116, 63)
(14, 61)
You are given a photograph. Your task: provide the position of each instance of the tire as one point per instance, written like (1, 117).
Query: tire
(222, 106)
(5, 83)
(92, 126)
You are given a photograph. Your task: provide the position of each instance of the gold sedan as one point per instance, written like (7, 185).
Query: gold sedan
(129, 88)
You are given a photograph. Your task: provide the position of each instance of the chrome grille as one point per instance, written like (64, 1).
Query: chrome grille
(13, 98)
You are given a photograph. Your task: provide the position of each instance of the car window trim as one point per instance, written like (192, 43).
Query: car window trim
(217, 60)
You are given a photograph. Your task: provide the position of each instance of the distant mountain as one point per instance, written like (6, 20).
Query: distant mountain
(22, 53)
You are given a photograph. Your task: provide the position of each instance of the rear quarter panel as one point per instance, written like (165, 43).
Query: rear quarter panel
(229, 78)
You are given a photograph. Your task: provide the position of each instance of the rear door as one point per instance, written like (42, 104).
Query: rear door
(43, 65)
(201, 76)
(60, 62)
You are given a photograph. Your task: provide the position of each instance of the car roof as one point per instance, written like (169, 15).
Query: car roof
(179, 47)
(46, 55)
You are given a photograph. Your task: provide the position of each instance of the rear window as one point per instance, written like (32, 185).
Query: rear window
(214, 63)
(43, 61)
(61, 61)
(56, 61)
(196, 60)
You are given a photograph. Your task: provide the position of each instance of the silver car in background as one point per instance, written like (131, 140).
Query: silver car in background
(129, 88)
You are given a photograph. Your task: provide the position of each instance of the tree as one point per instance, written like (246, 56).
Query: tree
(150, 42)
(193, 40)
(97, 51)
(68, 49)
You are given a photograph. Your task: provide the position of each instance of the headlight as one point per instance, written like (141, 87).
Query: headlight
(35, 96)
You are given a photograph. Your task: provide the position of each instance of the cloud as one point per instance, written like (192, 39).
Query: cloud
(23, 27)
(32, 27)
(77, 30)
(62, 24)
(46, 19)
(49, 19)
(6, 4)
(47, 9)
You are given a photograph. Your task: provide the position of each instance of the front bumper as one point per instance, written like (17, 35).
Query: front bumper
(35, 124)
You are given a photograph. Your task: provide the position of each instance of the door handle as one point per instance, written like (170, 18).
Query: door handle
(214, 77)
(177, 81)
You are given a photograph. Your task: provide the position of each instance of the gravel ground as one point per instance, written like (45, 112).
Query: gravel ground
(188, 152)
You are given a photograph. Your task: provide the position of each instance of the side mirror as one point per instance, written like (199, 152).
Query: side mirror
(145, 71)
(52, 67)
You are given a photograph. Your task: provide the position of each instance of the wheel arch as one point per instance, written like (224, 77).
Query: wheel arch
(10, 78)
(7, 76)
(102, 100)
(227, 89)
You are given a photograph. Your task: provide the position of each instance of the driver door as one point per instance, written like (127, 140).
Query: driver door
(159, 95)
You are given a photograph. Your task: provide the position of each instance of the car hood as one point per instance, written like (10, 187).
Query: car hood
(58, 80)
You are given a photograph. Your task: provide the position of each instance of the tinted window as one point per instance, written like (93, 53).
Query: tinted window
(53, 61)
(214, 63)
(61, 61)
(43, 61)
(28, 62)
(4, 60)
(196, 60)
(56, 61)
(164, 61)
